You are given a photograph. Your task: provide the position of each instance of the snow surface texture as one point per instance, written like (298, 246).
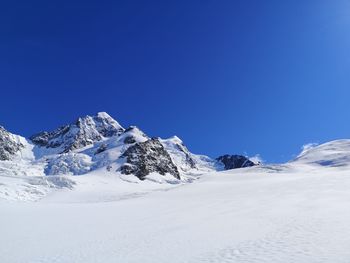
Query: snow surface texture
(335, 154)
(296, 212)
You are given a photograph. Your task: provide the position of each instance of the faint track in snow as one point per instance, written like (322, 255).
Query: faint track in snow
(295, 241)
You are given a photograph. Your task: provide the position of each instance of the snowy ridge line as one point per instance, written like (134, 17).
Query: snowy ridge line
(99, 145)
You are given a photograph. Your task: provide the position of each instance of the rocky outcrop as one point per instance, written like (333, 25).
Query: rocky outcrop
(235, 161)
(146, 157)
(85, 131)
(9, 145)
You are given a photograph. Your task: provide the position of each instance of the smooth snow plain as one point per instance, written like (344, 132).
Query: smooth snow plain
(296, 212)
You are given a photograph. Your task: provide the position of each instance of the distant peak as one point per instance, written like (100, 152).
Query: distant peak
(235, 161)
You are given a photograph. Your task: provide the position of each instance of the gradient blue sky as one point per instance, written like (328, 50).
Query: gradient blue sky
(225, 76)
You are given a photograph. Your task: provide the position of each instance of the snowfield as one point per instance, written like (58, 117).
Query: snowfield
(294, 212)
(283, 213)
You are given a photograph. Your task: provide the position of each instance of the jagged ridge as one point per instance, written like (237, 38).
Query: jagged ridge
(94, 142)
(85, 131)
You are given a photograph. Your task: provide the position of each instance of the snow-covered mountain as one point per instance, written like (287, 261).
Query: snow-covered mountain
(100, 142)
(330, 154)
(292, 212)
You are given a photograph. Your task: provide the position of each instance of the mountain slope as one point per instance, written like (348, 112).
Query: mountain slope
(331, 154)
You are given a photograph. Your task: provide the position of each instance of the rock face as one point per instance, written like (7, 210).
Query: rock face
(9, 145)
(234, 161)
(146, 157)
(85, 131)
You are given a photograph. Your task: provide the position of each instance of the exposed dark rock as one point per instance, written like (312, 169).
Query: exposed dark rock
(8, 145)
(102, 148)
(129, 129)
(133, 134)
(109, 168)
(235, 161)
(129, 140)
(146, 157)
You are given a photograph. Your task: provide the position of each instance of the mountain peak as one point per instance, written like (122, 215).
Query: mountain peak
(102, 122)
(85, 131)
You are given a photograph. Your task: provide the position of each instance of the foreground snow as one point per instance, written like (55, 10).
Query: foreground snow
(284, 213)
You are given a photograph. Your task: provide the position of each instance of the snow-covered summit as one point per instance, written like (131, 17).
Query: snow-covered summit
(106, 125)
(84, 131)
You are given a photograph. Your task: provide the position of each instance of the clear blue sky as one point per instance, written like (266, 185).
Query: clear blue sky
(225, 76)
